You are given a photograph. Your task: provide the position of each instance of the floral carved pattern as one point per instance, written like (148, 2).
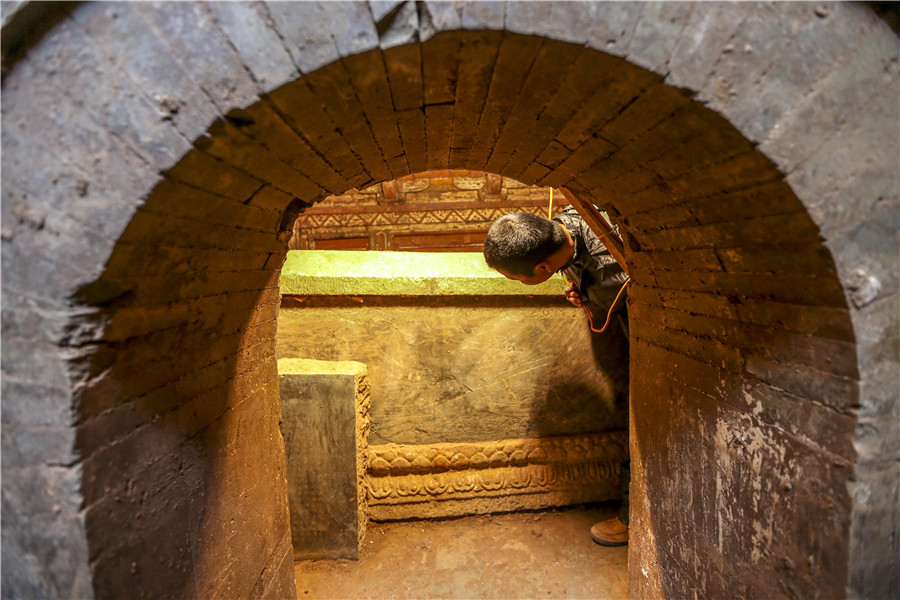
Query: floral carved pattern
(507, 474)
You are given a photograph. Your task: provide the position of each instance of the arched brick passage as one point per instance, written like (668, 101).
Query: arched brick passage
(756, 201)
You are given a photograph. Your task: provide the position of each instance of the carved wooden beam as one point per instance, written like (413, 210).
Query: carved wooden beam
(599, 226)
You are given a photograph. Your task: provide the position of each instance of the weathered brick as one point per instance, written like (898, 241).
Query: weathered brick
(526, 17)
(760, 39)
(129, 43)
(401, 23)
(444, 16)
(412, 130)
(864, 192)
(38, 184)
(247, 475)
(833, 164)
(201, 170)
(490, 14)
(44, 501)
(705, 36)
(775, 198)
(148, 227)
(795, 227)
(438, 133)
(622, 84)
(577, 162)
(840, 393)
(478, 51)
(701, 348)
(38, 270)
(589, 78)
(440, 67)
(656, 33)
(153, 440)
(404, 72)
(299, 107)
(265, 126)
(820, 321)
(60, 123)
(270, 198)
(866, 257)
(610, 27)
(790, 288)
(735, 173)
(176, 199)
(814, 50)
(834, 100)
(826, 355)
(513, 61)
(277, 578)
(369, 79)
(808, 259)
(310, 44)
(701, 259)
(229, 145)
(648, 110)
(260, 48)
(343, 106)
(190, 33)
(110, 97)
(183, 258)
(542, 84)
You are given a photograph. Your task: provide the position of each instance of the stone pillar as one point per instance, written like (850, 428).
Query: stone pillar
(325, 424)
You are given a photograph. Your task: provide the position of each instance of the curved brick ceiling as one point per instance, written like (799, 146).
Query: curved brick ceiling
(739, 321)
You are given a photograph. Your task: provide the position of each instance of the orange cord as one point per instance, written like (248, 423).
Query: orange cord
(609, 314)
(584, 306)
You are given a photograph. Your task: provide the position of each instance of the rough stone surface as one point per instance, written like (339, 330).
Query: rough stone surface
(470, 371)
(326, 472)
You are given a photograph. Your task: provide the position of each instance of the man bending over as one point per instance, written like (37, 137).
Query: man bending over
(530, 249)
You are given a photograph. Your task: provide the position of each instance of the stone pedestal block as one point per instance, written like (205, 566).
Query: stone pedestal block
(325, 423)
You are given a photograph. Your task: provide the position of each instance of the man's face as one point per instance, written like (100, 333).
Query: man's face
(540, 276)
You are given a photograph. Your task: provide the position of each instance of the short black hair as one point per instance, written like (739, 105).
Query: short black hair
(517, 242)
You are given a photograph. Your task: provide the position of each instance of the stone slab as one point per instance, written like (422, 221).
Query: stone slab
(324, 424)
(361, 273)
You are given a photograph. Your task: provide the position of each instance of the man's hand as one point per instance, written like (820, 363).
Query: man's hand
(573, 295)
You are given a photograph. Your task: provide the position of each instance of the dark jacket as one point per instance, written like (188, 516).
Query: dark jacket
(592, 268)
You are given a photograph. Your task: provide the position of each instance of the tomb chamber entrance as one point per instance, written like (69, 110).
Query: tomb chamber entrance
(156, 158)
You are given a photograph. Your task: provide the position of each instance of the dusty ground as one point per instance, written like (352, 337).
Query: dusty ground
(521, 555)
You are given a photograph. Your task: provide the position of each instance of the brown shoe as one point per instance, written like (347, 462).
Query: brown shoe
(610, 533)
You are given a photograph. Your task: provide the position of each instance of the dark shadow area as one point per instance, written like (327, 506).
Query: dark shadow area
(178, 406)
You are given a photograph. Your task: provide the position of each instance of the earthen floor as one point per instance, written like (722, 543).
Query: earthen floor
(521, 555)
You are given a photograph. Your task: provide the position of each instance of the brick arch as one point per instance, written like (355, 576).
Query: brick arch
(732, 188)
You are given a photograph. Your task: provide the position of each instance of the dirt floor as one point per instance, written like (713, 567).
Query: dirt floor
(520, 555)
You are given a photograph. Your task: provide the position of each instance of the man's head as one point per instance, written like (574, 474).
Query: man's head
(526, 247)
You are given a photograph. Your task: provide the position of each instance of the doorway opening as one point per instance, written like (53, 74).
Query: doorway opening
(485, 396)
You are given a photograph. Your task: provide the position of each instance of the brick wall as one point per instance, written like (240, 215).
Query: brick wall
(155, 157)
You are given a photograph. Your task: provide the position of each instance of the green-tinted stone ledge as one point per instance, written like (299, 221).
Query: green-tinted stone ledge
(372, 273)
(309, 366)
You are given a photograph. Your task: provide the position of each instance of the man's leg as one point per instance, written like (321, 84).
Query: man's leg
(615, 531)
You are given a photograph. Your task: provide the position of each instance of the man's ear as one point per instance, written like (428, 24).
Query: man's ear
(543, 268)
